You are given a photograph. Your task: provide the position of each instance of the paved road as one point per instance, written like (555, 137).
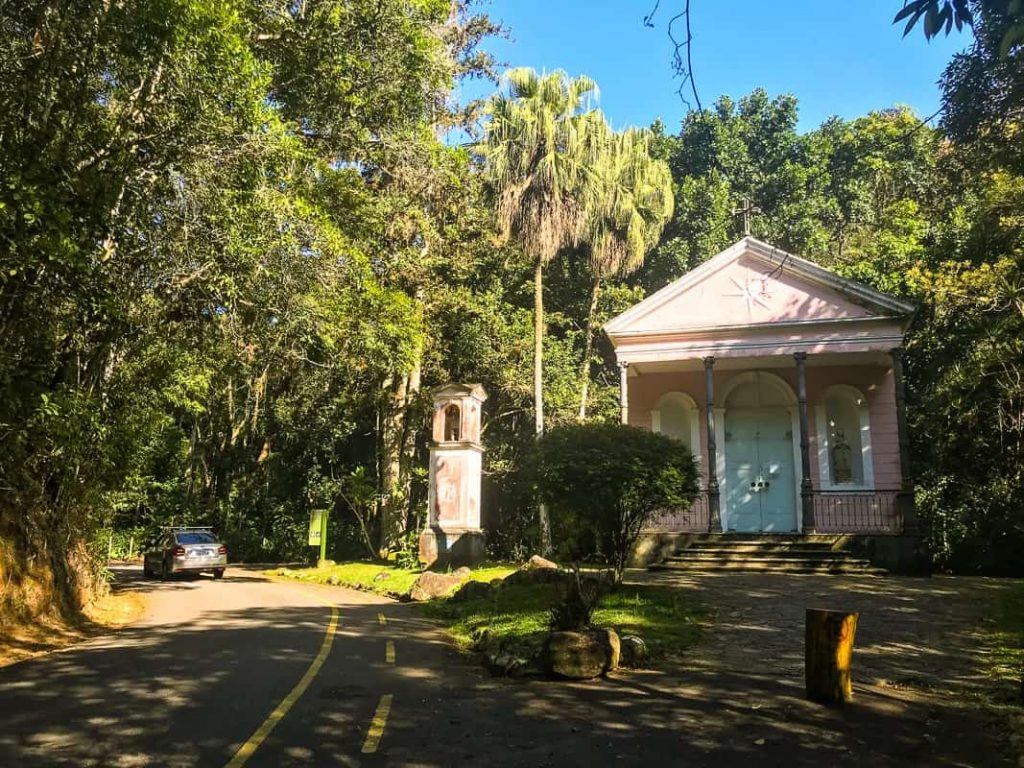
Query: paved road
(194, 682)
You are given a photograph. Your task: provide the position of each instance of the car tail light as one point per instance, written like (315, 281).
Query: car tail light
(222, 550)
(179, 551)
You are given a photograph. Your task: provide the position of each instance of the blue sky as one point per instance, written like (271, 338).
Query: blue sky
(837, 58)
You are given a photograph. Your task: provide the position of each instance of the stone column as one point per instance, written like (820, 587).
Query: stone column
(906, 500)
(624, 392)
(806, 488)
(714, 508)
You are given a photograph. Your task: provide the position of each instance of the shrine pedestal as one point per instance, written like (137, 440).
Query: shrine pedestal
(452, 547)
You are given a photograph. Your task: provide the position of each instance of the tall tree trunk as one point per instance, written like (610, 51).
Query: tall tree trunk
(588, 347)
(538, 388)
(413, 424)
(391, 421)
(399, 444)
(538, 347)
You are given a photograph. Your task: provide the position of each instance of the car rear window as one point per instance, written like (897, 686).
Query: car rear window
(196, 537)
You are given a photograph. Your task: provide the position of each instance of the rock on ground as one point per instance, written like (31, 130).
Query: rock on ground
(580, 655)
(536, 570)
(633, 651)
(539, 562)
(473, 590)
(430, 585)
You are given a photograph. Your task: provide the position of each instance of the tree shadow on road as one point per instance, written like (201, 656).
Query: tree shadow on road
(189, 693)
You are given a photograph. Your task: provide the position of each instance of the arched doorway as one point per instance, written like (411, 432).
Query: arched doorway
(760, 477)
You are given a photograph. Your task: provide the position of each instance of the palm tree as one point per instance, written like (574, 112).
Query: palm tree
(627, 214)
(539, 149)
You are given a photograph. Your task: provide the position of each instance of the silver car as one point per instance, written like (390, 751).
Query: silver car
(185, 550)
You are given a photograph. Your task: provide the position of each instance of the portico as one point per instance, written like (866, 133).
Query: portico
(786, 382)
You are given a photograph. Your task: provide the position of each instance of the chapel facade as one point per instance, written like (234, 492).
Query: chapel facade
(786, 382)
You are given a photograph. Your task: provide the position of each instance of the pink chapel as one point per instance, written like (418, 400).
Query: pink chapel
(785, 380)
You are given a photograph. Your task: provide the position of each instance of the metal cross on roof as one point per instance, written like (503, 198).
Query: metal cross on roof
(748, 209)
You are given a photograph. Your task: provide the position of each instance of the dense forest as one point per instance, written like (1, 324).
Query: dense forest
(236, 250)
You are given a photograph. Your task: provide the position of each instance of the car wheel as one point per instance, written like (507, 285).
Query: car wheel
(218, 573)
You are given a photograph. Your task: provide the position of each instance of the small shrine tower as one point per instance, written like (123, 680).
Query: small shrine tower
(452, 535)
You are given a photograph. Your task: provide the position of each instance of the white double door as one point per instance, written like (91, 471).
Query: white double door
(759, 470)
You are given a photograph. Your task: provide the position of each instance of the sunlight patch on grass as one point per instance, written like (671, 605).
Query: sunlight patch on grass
(379, 578)
(1006, 661)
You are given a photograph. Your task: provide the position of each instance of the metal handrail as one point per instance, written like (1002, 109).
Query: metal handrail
(857, 510)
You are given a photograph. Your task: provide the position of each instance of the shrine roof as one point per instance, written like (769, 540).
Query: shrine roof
(460, 390)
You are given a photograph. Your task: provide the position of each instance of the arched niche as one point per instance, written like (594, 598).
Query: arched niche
(452, 423)
(676, 415)
(843, 425)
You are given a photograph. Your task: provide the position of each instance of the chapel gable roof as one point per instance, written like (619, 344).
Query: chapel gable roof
(752, 283)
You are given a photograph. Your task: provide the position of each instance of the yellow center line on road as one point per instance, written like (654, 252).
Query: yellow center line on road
(389, 652)
(249, 747)
(382, 619)
(377, 725)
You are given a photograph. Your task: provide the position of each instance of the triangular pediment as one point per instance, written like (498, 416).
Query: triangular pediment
(460, 390)
(752, 283)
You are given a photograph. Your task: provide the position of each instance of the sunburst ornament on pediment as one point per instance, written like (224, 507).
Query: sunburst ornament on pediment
(753, 290)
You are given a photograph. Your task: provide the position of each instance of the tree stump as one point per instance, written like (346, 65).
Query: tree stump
(828, 649)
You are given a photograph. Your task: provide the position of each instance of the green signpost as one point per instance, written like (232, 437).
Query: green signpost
(318, 531)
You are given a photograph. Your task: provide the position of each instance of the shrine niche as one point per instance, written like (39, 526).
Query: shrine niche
(452, 534)
(452, 423)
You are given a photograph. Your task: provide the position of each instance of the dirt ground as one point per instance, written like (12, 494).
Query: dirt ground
(50, 633)
(920, 684)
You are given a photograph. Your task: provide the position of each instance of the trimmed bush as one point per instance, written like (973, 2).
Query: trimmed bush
(603, 482)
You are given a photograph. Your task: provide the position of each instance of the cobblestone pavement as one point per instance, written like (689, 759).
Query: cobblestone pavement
(911, 632)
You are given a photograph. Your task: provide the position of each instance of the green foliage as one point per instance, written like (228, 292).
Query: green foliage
(517, 617)
(123, 544)
(391, 581)
(983, 88)
(198, 305)
(936, 14)
(408, 556)
(605, 481)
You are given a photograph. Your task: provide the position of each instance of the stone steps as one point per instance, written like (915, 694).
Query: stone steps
(850, 569)
(756, 549)
(767, 554)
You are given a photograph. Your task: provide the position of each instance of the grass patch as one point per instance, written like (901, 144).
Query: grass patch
(380, 578)
(1006, 660)
(517, 616)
